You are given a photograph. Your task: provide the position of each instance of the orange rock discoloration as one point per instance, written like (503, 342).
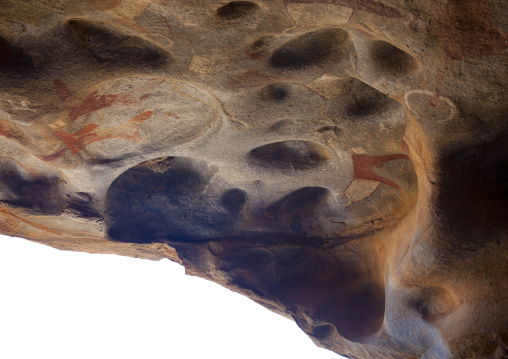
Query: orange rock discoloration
(341, 162)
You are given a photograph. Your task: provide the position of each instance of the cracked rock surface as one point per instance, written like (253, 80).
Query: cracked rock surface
(342, 162)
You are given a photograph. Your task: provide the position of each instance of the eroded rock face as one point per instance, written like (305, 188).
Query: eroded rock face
(341, 162)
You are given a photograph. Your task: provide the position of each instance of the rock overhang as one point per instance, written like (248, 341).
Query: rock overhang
(340, 162)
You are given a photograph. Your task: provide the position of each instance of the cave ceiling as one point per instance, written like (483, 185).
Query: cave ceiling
(343, 163)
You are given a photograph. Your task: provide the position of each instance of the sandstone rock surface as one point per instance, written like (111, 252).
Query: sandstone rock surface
(341, 162)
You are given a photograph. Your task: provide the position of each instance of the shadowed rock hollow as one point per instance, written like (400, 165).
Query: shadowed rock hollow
(343, 163)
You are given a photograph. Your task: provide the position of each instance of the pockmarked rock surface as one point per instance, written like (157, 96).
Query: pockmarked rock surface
(342, 162)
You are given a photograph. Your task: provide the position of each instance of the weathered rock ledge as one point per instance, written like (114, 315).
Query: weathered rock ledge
(341, 162)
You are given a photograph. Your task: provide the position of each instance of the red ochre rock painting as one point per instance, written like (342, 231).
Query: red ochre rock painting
(341, 162)
(364, 167)
(77, 141)
(94, 102)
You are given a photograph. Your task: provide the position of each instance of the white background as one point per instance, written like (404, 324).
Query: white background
(56, 304)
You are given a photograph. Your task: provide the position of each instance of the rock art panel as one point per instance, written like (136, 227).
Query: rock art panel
(340, 162)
